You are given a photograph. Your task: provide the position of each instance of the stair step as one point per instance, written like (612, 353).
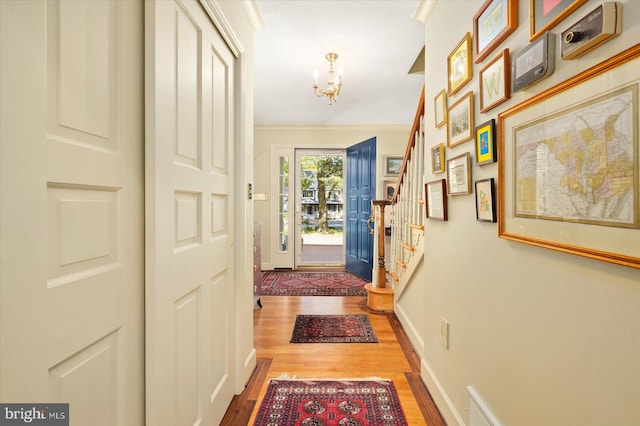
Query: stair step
(407, 246)
(394, 276)
(418, 227)
(401, 263)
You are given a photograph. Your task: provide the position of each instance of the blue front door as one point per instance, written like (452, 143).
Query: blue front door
(360, 191)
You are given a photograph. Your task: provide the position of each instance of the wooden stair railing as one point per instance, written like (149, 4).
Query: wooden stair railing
(415, 127)
(407, 205)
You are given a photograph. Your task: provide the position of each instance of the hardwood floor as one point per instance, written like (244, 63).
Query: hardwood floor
(391, 358)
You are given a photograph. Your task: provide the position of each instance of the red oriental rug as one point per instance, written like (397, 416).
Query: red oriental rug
(330, 402)
(297, 283)
(353, 328)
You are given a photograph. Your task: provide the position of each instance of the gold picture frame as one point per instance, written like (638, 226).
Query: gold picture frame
(459, 65)
(495, 82)
(591, 207)
(542, 20)
(440, 108)
(437, 159)
(493, 23)
(460, 121)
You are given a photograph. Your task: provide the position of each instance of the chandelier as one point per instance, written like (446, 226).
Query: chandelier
(334, 86)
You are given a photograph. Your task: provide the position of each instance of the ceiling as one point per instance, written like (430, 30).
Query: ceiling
(377, 42)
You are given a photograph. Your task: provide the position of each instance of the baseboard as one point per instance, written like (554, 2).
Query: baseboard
(409, 329)
(440, 397)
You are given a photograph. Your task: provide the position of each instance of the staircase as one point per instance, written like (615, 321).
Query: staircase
(406, 213)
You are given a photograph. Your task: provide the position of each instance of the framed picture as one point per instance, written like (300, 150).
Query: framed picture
(389, 189)
(459, 65)
(486, 143)
(568, 158)
(437, 159)
(436, 199)
(440, 108)
(495, 82)
(459, 174)
(544, 15)
(460, 121)
(493, 23)
(485, 201)
(392, 165)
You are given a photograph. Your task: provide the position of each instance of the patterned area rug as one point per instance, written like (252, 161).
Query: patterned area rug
(330, 402)
(296, 283)
(354, 328)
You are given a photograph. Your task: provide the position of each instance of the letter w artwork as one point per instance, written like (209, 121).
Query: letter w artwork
(492, 83)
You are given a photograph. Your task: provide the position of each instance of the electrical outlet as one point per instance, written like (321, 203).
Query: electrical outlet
(444, 333)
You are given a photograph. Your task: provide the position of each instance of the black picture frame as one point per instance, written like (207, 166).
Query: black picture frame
(485, 200)
(435, 200)
(486, 151)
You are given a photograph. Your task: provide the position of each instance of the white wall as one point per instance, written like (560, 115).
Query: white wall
(409, 309)
(391, 140)
(545, 338)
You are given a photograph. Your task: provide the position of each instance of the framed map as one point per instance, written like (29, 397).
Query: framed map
(568, 177)
(577, 164)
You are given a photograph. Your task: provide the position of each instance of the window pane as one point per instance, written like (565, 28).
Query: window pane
(283, 201)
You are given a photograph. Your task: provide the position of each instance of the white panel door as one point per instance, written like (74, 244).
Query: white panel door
(71, 208)
(189, 220)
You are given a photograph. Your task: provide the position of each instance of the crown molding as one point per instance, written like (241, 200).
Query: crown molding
(335, 127)
(423, 10)
(253, 13)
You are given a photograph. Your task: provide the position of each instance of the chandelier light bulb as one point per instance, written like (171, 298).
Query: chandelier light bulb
(334, 84)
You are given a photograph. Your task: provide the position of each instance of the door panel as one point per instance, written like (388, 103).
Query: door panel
(361, 189)
(190, 285)
(71, 208)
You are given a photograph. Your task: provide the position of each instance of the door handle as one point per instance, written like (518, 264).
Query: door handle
(371, 229)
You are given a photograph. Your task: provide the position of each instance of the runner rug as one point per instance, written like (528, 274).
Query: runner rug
(296, 283)
(352, 328)
(330, 402)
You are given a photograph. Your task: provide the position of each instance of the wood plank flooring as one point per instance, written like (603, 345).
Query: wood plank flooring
(391, 358)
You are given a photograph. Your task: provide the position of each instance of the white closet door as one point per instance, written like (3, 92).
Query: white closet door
(189, 221)
(71, 208)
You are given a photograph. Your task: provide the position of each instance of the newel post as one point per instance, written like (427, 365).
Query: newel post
(380, 298)
(382, 272)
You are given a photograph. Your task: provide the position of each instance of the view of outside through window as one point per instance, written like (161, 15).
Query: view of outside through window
(283, 200)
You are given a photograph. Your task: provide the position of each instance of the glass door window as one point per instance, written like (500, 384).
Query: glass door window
(283, 204)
